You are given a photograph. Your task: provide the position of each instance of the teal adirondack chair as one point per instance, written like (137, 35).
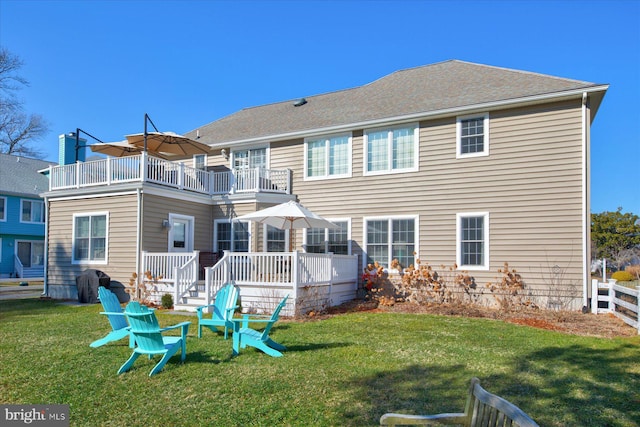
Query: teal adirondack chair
(147, 334)
(223, 308)
(244, 336)
(113, 311)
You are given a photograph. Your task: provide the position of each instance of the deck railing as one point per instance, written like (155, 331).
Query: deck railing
(309, 279)
(146, 168)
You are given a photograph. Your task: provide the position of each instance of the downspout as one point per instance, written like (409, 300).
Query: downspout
(138, 237)
(586, 214)
(45, 288)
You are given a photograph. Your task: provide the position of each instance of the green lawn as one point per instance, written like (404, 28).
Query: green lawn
(343, 371)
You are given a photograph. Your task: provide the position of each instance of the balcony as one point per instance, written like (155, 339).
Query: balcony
(146, 168)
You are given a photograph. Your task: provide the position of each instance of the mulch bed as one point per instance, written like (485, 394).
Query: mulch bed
(570, 322)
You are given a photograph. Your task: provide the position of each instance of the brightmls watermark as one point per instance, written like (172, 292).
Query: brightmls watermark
(34, 415)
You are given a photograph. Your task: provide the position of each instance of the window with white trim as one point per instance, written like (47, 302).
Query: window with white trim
(391, 150)
(391, 238)
(232, 236)
(328, 157)
(472, 238)
(90, 231)
(3, 208)
(472, 136)
(250, 159)
(276, 239)
(32, 211)
(325, 240)
(200, 161)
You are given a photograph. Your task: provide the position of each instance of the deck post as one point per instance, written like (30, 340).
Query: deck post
(295, 259)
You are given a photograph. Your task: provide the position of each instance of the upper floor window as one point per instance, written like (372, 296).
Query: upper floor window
(391, 150)
(325, 240)
(200, 161)
(391, 238)
(250, 159)
(328, 157)
(472, 136)
(3, 208)
(472, 238)
(90, 237)
(32, 211)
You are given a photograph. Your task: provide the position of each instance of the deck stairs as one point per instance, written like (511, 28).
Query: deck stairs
(195, 299)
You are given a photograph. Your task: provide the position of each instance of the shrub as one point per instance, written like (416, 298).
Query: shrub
(622, 276)
(167, 301)
(422, 284)
(634, 270)
(507, 290)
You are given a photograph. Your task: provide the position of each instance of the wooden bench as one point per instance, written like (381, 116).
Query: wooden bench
(482, 409)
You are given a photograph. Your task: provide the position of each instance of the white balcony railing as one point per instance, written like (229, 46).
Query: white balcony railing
(145, 168)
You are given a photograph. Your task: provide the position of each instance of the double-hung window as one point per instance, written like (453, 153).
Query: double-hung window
(472, 136)
(472, 238)
(391, 150)
(325, 240)
(232, 236)
(200, 162)
(328, 157)
(90, 232)
(32, 211)
(276, 239)
(391, 238)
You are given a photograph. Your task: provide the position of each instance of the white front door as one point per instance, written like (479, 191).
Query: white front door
(180, 233)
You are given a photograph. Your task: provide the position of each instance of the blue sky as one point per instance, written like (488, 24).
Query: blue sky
(101, 65)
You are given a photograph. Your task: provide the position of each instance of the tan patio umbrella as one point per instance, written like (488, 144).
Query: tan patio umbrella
(121, 149)
(288, 216)
(167, 142)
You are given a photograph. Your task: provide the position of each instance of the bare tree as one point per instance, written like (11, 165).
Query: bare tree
(18, 130)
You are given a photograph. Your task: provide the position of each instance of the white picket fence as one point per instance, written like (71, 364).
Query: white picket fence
(621, 301)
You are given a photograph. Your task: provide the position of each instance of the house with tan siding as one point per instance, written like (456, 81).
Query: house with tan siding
(454, 163)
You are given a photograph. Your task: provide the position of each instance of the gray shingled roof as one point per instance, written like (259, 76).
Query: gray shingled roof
(445, 85)
(19, 176)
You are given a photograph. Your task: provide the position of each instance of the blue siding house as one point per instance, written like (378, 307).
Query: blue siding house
(22, 216)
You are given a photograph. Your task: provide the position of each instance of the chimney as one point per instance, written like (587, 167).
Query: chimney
(68, 152)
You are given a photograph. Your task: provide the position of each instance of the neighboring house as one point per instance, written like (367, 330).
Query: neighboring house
(22, 216)
(454, 163)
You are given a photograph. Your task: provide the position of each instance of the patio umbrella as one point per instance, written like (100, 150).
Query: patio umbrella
(167, 142)
(288, 216)
(120, 149)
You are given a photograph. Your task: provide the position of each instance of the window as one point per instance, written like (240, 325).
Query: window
(3, 208)
(90, 237)
(391, 238)
(391, 150)
(328, 157)
(472, 136)
(200, 161)
(276, 239)
(324, 240)
(472, 238)
(232, 236)
(32, 211)
(250, 159)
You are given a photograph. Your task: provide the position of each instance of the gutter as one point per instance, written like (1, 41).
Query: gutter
(45, 289)
(586, 223)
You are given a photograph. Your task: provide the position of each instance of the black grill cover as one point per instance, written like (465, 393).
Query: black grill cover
(88, 283)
